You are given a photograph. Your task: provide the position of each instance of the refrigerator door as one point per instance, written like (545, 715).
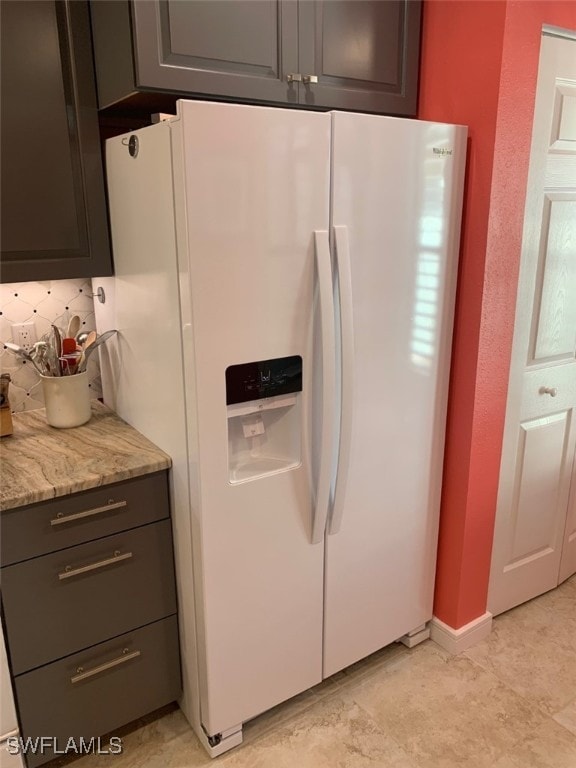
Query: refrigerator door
(396, 200)
(252, 188)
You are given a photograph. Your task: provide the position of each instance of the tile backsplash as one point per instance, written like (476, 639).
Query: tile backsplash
(42, 303)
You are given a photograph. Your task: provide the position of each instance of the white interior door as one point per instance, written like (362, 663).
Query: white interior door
(534, 532)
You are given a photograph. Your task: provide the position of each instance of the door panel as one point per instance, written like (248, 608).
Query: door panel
(556, 324)
(362, 20)
(538, 507)
(403, 239)
(363, 52)
(235, 48)
(239, 33)
(534, 539)
(540, 453)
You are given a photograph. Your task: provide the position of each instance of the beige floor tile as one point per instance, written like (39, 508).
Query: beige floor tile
(507, 762)
(168, 742)
(491, 707)
(567, 717)
(334, 734)
(549, 746)
(288, 709)
(371, 665)
(283, 712)
(562, 601)
(533, 650)
(445, 710)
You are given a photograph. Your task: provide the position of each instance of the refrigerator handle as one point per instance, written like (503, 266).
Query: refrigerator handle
(347, 374)
(324, 272)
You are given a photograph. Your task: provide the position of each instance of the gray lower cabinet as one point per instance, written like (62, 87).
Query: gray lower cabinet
(89, 607)
(96, 590)
(90, 693)
(53, 207)
(38, 529)
(348, 54)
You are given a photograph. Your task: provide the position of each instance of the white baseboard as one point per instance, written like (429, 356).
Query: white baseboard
(458, 640)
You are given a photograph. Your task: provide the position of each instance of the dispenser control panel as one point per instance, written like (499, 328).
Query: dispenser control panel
(265, 378)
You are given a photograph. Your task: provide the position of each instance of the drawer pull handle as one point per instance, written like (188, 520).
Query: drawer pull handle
(84, 675)
(62, 518)
(68, 572)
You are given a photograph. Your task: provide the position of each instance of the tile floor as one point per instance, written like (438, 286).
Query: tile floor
(509, 702)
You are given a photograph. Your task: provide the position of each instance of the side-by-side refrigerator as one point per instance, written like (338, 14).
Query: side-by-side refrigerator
(284, 289)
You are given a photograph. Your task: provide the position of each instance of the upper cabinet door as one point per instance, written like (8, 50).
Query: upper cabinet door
(54, 221)
(242, 49)
(364, 54)
(344, 54)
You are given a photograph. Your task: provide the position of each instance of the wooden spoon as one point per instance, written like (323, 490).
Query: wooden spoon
(73, 327)
(89, 349)
(90, 339)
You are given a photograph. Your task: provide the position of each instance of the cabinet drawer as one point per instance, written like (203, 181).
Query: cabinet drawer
(52, 525)
(115, 682)
(75, 598)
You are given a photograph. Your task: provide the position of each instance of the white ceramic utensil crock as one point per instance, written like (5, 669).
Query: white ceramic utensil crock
(67, 400)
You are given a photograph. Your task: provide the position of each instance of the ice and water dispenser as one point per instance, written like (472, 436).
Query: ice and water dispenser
(263, 401)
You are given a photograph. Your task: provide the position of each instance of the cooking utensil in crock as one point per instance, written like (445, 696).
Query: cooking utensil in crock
(57, 340)
(21, 352)
(68, 346)
(90, 339)
(81, 338)
(73, 327)
(88, 349)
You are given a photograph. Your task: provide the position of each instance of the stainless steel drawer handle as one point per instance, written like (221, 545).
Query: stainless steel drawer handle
(68, 572)
(309, 79)
(552, 391)
(84, 675)
(62, 518)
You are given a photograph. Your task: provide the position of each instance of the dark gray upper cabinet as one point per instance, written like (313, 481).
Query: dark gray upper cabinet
(364, 54)
(348, 54)
(235, 48)
(53, 208)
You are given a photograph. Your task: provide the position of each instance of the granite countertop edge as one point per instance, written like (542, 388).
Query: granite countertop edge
(39, 462)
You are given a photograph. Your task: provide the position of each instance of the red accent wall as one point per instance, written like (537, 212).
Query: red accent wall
(479, 68)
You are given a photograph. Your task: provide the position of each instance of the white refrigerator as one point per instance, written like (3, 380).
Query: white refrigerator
(284, 289)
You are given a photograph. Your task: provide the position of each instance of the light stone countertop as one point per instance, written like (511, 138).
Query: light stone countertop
(39, 462)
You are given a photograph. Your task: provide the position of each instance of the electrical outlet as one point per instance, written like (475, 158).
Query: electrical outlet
(24, 334)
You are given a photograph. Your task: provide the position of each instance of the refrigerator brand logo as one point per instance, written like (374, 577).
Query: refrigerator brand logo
(441, 151)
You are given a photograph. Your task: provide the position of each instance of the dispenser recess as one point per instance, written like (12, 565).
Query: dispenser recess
(263, 402)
